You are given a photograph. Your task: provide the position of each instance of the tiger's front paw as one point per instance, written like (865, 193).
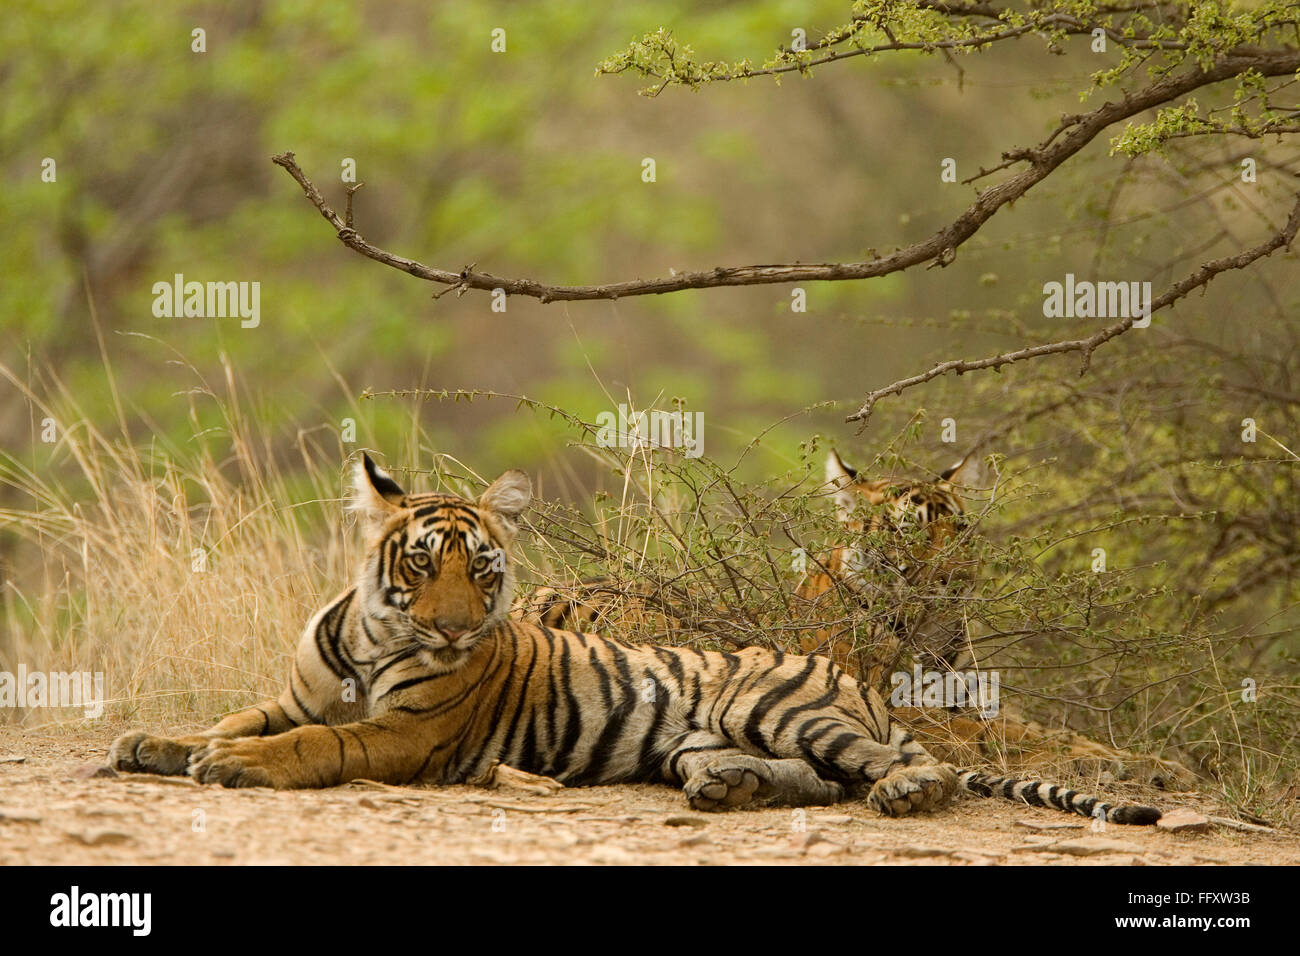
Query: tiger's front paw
(242, 762)
(139, 752)
(909, 789)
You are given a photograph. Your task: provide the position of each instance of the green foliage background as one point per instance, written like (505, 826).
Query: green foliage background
(523, 162)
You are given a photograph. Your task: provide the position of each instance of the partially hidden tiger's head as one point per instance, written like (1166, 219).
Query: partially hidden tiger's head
(438, 574)
(913, 519)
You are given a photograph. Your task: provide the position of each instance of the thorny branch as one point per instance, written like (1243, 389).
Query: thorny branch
(1072, 135)
(1088, 345)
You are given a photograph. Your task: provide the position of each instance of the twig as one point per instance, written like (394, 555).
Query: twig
(348, 216)
(1238, 825)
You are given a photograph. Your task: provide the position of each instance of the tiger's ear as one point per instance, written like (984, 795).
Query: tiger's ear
(839, 477)
(374, 494)
(970, 474)
(507, 497)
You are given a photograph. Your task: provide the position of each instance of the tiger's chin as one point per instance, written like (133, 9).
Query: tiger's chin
(445, 658)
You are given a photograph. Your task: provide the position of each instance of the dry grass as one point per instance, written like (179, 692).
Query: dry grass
(183, 577)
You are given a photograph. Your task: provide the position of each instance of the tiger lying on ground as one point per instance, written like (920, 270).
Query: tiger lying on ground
(447, 686)
(888, 506)
(851, 574)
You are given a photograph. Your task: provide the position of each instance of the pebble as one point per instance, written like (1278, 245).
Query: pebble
(1183, 820)
(825, 848)
(834, 819)
(807, 839)
(100, 838)
(15, 815)
(1092, 846)
(90, 771)
(975, 859)
(685, 821)
(921, 851)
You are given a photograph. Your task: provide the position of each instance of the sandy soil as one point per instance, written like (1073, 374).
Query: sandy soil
(53, 811)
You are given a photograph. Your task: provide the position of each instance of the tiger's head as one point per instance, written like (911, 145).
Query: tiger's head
(438, 574)
(912, 520)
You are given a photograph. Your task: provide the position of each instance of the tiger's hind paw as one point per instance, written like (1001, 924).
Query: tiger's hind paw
(916, 788)
(737, 780)
(726, 782)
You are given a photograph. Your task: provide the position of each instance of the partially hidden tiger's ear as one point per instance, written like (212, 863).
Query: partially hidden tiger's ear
(837, 471)
(374, 494)
(507, 497)
(969, 474)
(839, 477)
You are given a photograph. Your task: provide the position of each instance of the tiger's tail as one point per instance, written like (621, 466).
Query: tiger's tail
(1038, 793)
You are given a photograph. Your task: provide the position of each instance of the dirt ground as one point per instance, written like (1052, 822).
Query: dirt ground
(54, 811)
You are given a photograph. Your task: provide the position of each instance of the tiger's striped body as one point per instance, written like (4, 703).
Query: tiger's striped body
(598, 604)
(575, 609)
(447, 686)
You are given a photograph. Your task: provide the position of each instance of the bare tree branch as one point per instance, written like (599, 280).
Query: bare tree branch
(1086, 346)
(1072, 135)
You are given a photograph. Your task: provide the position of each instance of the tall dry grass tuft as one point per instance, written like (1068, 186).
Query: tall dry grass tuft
(182, 574)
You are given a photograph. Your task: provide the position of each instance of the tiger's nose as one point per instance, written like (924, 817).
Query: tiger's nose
(452, 634)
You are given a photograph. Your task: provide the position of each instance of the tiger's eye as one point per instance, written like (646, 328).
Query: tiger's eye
(420, 560)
